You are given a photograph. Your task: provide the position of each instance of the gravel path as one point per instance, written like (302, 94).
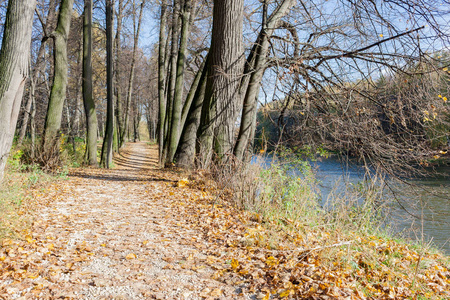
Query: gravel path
(117, 234)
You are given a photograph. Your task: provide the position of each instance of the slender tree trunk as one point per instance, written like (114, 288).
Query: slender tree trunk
(161, 80)
(58, 91)
(88, 100)
(186, 148)
(179, 81)
(33, 123)
(256, 66)
(26, 115)
(118, 90)
(14, 68)
(107, 148)
(38, 66)
(172, 74)
(133, 64)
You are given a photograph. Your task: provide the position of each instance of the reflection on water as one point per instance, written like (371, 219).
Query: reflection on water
(419, 205)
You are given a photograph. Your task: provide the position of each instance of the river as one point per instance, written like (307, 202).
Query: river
(419, 210)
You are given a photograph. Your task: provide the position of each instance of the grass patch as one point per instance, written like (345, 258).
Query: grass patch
(343, 242)
(16, 203)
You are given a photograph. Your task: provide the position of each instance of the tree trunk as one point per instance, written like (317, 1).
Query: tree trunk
(107, 148)
(14, 68)
(186, 149)
(225, 71)
(179, 81)
(26, 115)
(133, 63)
(88, 100)
(256, 66)
(161, 80)
(172, 75)
(118, 91)
(58, 91)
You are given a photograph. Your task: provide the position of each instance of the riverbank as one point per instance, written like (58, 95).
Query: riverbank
(139, 232)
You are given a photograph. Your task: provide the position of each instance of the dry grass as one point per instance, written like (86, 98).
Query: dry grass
(346, 236)
(16, 201)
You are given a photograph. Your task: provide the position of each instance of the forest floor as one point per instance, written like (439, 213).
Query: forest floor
(140, 232)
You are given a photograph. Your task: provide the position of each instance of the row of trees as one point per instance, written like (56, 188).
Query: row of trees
(67, 70)
(319, 54)
(199, 87)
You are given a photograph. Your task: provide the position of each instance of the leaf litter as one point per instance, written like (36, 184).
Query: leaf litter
(138, 232)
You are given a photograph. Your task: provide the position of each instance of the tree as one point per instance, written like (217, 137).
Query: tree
(162, 80)
(107, 148)
(221, 103)
(14, 68)
(58, 93)
(89, 104)
(136, 32)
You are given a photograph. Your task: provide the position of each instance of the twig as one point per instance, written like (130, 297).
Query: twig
(324, 247)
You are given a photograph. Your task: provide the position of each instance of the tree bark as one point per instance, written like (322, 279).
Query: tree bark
(107, 148)
(186, 148)
(256, 66)
(118, 91)
(179, 81)
(162, 79)
(172, 75)
(225, 72)
(88, 100)
(136, 32)
(58, 91)
(14, 60)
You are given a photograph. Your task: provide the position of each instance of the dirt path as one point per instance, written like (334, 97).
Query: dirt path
(114, 234)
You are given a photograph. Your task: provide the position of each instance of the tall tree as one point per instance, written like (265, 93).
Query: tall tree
(136, 32)
(255, 67)
(88, 100)
(107, 148)
(177, 106)
(59, 87)
(222, 101)
(14, 59)
(117, 75)
(37, 67)
(162, 79)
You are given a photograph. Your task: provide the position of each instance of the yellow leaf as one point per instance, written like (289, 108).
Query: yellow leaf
(445, 99)
(182, 182)
(266, 297)
(145, 242)
(271, 261)
(33, 276)
(50, 247)
(381, 35)
(440, 96)
(103, 245)
(285, 293)
(131, 256)
(445, 69)
(234, 264)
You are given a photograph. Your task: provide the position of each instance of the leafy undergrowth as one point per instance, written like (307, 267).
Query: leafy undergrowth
(268, 256)
(16, 195)
(295, 260)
